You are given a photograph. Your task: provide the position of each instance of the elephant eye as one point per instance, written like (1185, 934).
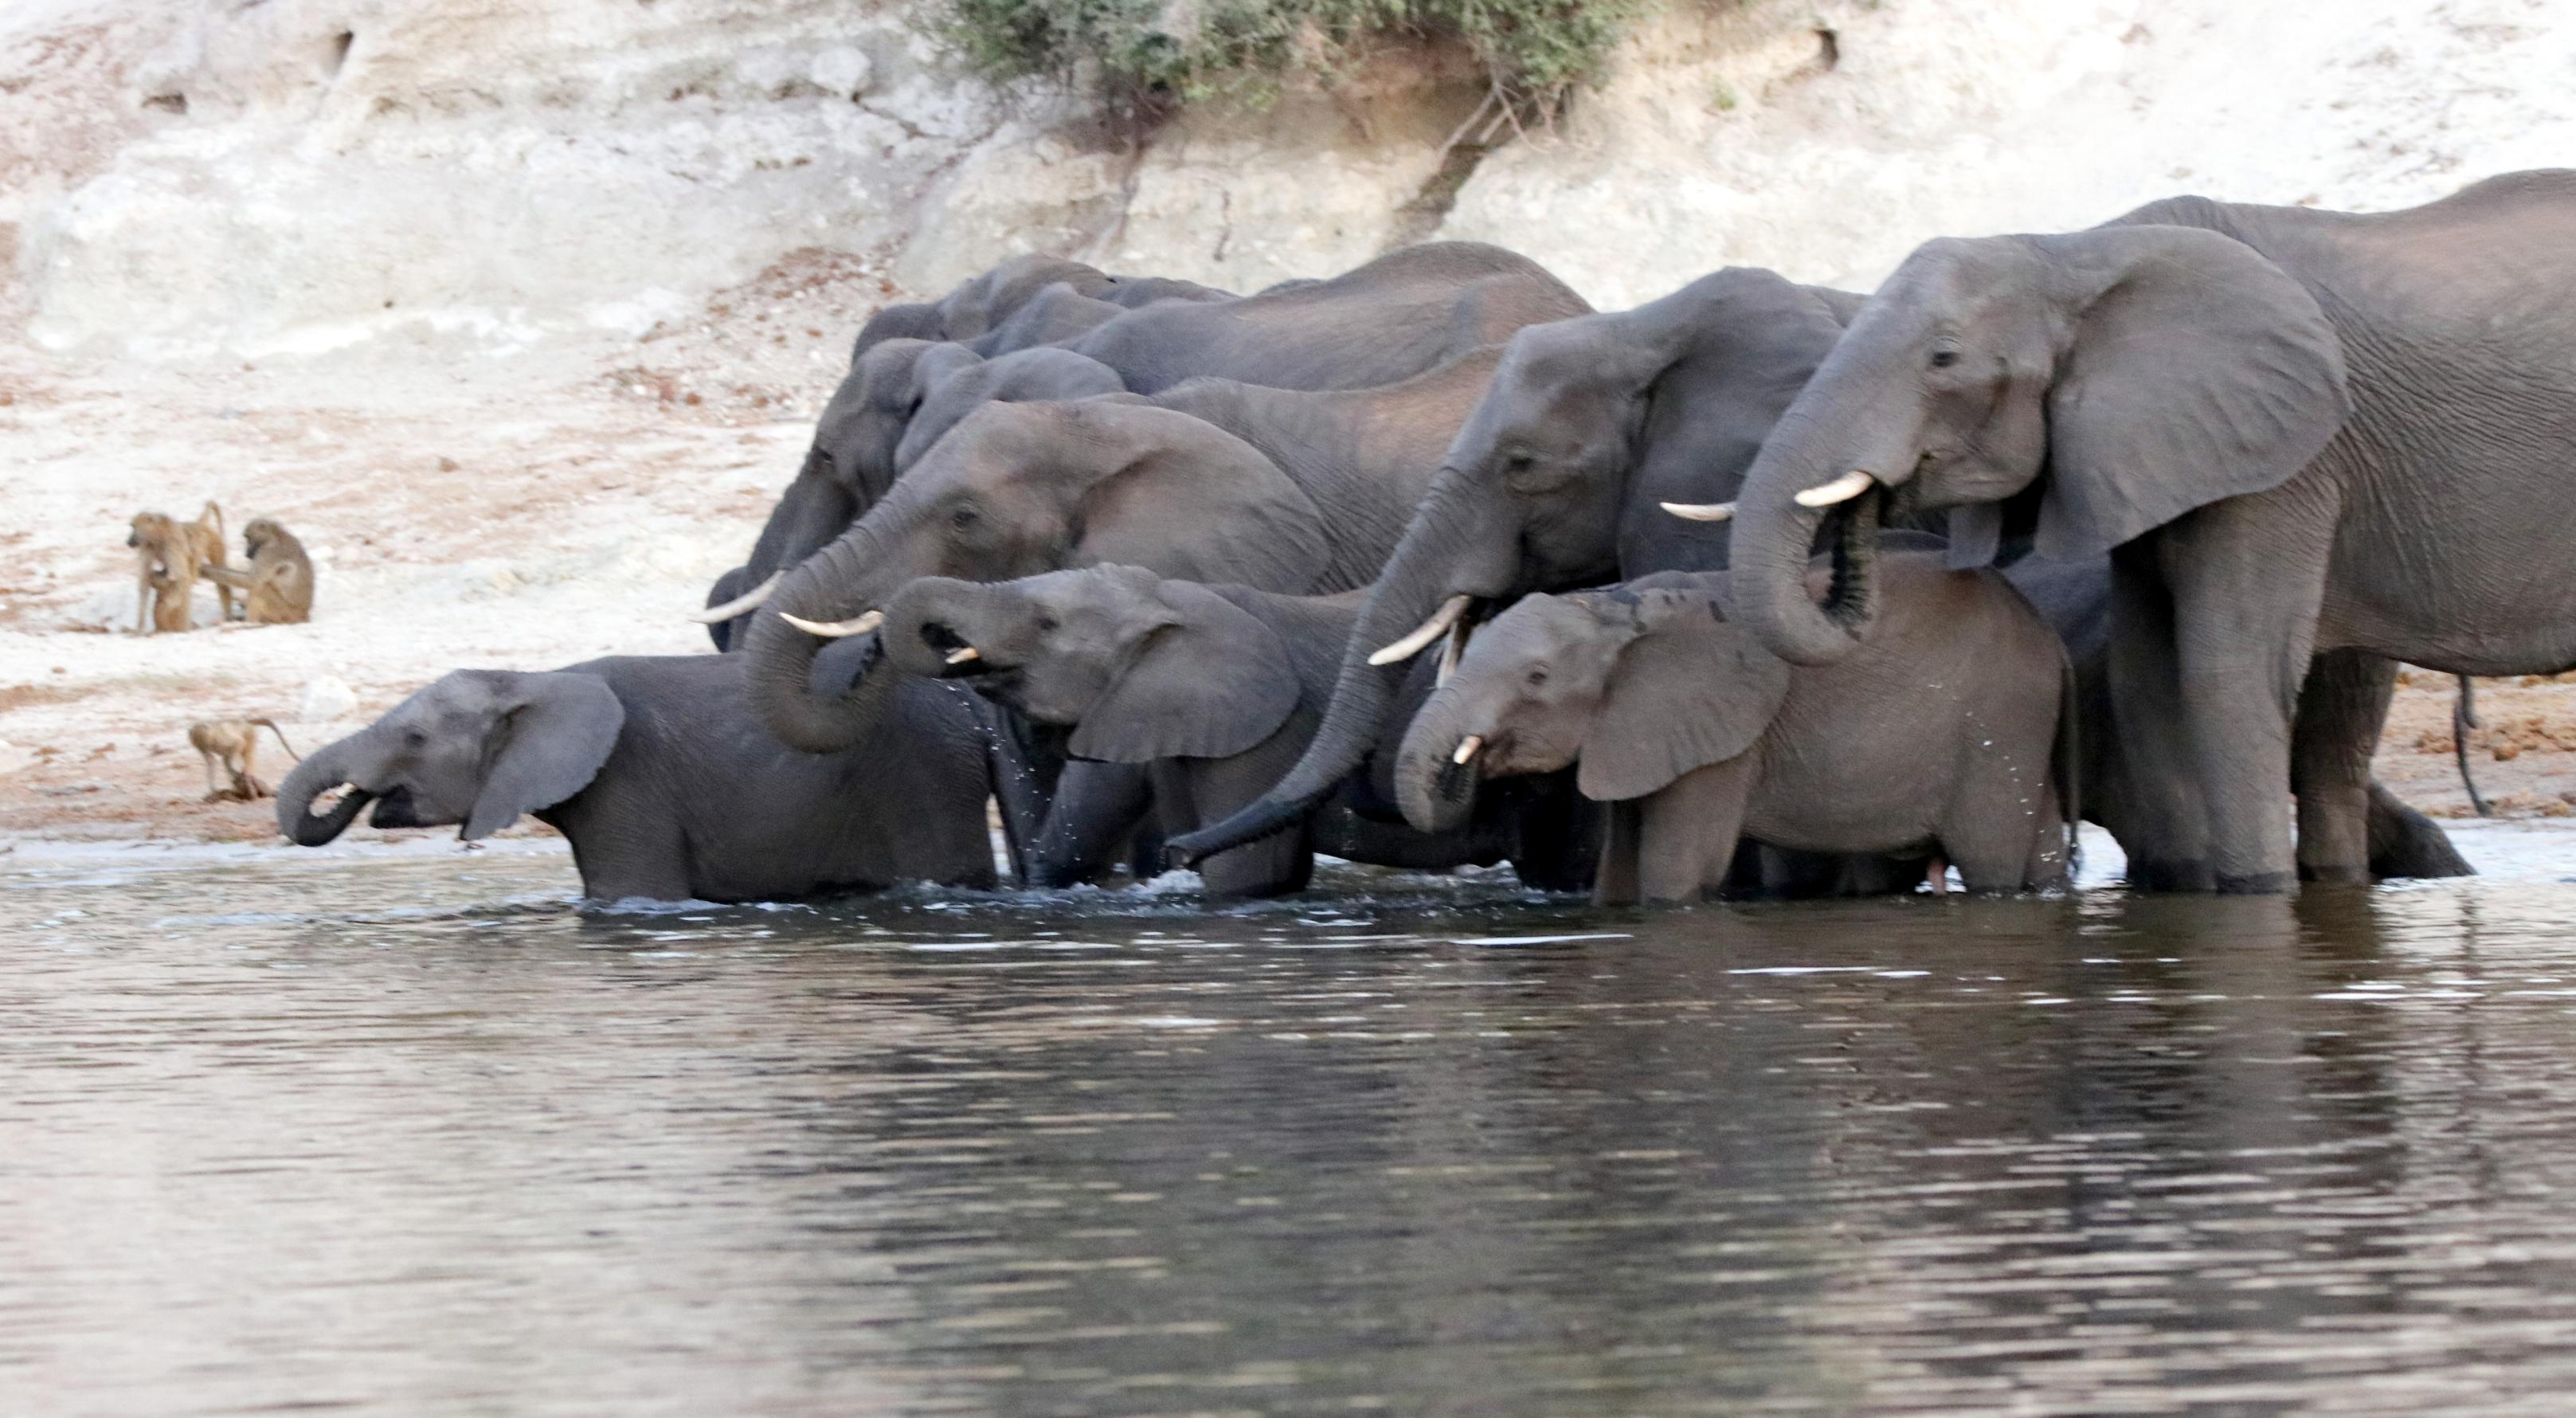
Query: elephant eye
(1944, 356)
(962, 517)
(1048, 625)
(1536, 678)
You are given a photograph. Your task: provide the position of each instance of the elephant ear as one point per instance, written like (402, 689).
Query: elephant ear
(1191, 501)
(1690, 690)
(547, 745)
(1211, 680)
(2201, 371)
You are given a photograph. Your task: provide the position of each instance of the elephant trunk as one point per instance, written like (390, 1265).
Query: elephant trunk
(326, 769)
(1453, 547)
(934, 618)
(833, 585)
(1796, 497)
(1435, 790)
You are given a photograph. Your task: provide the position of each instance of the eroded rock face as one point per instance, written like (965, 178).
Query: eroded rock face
(312, 171)
(181, 178)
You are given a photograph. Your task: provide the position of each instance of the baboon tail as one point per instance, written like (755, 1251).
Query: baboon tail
(281, 738)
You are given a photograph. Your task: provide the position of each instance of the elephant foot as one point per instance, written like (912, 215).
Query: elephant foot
(2168, 875)
(2404, 842)
(2335, 875)
(2264, 883)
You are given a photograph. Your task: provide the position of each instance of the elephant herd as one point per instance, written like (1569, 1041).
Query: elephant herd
(1757, 587)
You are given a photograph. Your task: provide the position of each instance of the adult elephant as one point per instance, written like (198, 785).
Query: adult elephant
(1559, 479)
(2312, 443)
(665, 787)
(1018, 489)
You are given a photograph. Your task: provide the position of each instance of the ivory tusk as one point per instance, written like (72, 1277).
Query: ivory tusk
(838, 629)
(1451, 648)
(1701, 511)
(963, 653)
(1428, 631)
(1841, 489)
(748, 601)
(1467, 749)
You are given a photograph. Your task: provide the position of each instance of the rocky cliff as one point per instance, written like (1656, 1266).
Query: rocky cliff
(180, 178)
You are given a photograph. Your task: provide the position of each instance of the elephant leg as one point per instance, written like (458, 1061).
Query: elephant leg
(1687, 831)
(2248, 577)
(1208, 790)
(2404, 842)
(1560, 838)
(2341, 708)
(1096, 810)
(2159, 818)
(1614, 881)
(2004, 834)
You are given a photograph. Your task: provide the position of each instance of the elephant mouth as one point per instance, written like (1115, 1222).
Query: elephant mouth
(1849, 534)
(397, 808)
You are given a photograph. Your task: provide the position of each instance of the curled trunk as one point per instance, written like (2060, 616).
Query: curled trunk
(929, 619)
(1436, 792)
(312, 778)
(832, 585)
(1773, 540)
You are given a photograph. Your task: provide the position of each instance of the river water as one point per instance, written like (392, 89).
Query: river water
(406, 1132)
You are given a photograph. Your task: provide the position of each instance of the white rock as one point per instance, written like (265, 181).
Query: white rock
(326, 698)
(842, 70)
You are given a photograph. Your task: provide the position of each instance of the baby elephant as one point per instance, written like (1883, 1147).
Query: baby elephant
(1948, 734)
(1216, 689)
(665, 783)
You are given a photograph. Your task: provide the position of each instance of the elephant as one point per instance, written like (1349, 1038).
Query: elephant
(1952, 737)
(978, 303)
(865, 439)
(1018, 489)
(2310, 443)
(1214, 689)
(665, 787)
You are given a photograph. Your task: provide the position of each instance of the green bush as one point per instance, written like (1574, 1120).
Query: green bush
(1141, 58)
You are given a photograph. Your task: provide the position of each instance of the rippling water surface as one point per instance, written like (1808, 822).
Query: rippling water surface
(410, 1134)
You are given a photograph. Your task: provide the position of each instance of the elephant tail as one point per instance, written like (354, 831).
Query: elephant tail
(2066, 763)
(2464, 717)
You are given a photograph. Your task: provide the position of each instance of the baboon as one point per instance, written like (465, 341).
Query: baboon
(169, 556)
(277, 589)
(228, 746)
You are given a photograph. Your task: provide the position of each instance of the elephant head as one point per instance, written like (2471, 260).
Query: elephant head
(1638, 684)
(1140, 667)
(1026, 376)
(1018, 489)
(1553, 482)
(847, 467)
(478, 747)
(980, 303)
(2086, 387)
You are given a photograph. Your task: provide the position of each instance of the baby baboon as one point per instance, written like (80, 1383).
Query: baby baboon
(278, 586)
(169, 556)
(229, 746)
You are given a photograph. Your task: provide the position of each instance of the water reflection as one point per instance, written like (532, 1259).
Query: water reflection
(409, 1134)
